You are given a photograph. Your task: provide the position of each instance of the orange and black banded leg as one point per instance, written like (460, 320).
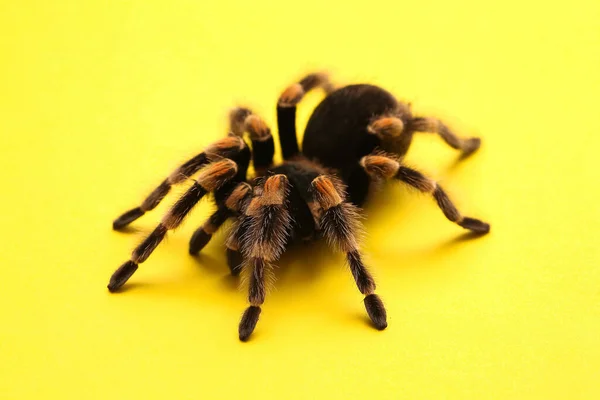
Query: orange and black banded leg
(432, 125)
(210, 178)
(391, 131)
(262, 236)
(237, 202)
(263, 147)
(227, 147)
(202, 235)
(235, 258)
(339, 223)
(233, 254)
(383, 167)
(231, 207)
(226, 198)
(286, 110)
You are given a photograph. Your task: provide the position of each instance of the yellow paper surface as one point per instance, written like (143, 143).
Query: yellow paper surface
(99, 101)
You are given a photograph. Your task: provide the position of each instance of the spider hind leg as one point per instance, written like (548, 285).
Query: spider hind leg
(243, 120)
(432, 125)
(286, 110)
(384, 167)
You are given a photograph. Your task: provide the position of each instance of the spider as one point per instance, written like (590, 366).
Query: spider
(355, 138)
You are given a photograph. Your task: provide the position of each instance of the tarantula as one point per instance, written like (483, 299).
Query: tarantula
(355, 137)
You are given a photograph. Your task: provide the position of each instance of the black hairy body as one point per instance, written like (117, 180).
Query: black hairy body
(356, 136)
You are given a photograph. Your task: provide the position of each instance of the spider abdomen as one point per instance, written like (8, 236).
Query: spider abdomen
(336, 134)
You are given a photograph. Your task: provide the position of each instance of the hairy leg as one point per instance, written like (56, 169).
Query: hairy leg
(225, 148)
(384, 167)
(211, 177)
(339, 222)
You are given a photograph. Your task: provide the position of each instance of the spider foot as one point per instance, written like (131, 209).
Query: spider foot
(122, 275)
(376, 311)
(470, 146)
(475, 225)
(248, 322)
(199, 239)
(127, 218)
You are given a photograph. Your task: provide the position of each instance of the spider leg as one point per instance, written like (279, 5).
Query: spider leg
(433, 125)
(239, 231)
(262, 235)
(235, 259)
(231, 206)
(339, 222)
(390, 129)
(263, 148)
(383, 167)
(286, 110)
(204, 233)
(210, 178)
(227, 147)
(241, 120)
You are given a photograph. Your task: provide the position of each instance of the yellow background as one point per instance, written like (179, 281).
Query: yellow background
(100, 100)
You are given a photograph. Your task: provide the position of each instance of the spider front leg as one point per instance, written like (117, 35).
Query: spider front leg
(227, 147)
(286, 110)
(210, 178)
(262, 235)
(339, 222)
(384, 167)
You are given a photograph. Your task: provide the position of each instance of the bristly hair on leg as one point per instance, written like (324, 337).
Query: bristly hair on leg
(386, 126)
(340, 220)
(262, 234)
(203, 234)
(248, 322)
(263, 147)
(268, 220)
(384, 167)
(235, 258)
(212, 177)
(243, 120)
(427, 124)
(340, 226)
(224, 148)
(233, 203)
(292, 95)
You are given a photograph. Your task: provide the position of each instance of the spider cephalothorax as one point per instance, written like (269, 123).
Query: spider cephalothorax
(356, 136)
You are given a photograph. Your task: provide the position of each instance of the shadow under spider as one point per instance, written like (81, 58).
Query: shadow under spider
(463, 237)
(300, 264)
(129, 229)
